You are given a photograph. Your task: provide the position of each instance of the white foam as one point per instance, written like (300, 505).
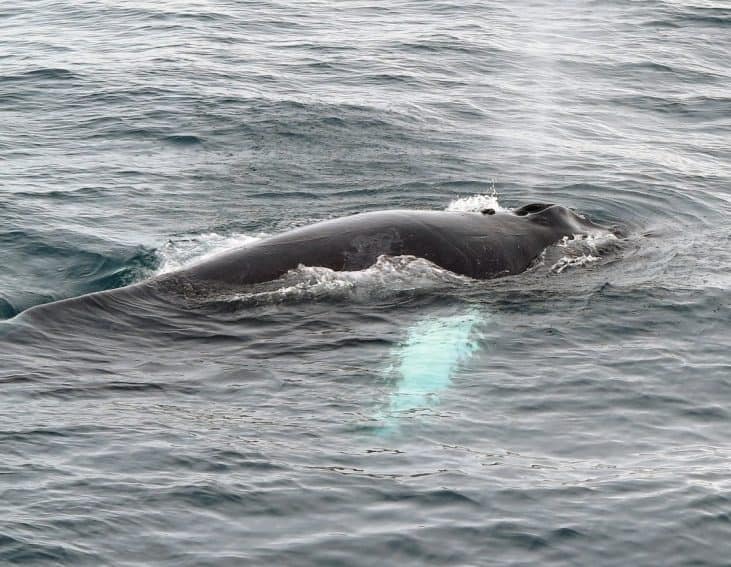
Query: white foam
(477, 203)
(593, 241)
(582, 249)
(388, 275)
(566, 262)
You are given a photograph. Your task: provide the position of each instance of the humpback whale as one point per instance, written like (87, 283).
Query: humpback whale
(481, 245)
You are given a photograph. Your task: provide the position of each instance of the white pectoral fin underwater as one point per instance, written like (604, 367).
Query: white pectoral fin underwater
(424, 365)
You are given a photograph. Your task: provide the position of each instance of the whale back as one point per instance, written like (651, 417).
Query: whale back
(468, 243)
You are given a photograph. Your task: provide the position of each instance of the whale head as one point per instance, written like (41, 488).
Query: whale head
(563, 220)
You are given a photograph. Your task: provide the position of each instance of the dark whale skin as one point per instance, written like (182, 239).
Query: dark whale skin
(479, 245)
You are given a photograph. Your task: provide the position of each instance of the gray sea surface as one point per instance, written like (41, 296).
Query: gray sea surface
(576, 414)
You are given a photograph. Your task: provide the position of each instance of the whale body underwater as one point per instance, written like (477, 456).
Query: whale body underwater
(481, 245)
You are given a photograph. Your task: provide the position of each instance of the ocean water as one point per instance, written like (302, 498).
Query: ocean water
(576, 414)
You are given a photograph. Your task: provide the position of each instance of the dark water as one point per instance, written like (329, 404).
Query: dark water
(578, 414)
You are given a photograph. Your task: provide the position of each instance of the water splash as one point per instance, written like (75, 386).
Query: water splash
(477, 203)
